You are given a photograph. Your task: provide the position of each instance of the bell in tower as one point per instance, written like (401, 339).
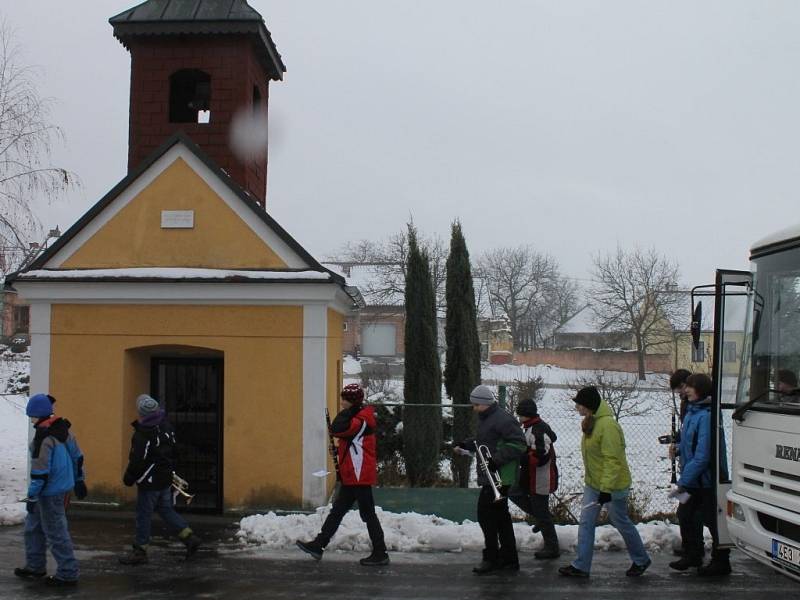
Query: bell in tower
(202, 67)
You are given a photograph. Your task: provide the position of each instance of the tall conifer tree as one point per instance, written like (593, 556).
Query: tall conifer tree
(462, 370)
(422, 425)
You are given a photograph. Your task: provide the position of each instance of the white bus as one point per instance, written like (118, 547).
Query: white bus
(756, 363)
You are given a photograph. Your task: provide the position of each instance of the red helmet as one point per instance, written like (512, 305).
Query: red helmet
(353, 393)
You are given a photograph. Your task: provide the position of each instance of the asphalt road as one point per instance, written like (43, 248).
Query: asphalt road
(226, 569)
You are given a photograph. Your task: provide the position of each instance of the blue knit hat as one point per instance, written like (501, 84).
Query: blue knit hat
(39, 406)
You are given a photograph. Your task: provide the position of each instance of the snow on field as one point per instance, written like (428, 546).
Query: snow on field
(413, 532)
(556, 376)
(13, 447)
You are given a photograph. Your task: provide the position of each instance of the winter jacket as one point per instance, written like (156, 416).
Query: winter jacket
(357, 448)
(152, 455)
(56, 459)
(603, 449)
(539, 473)
(501, 434)
(694, 451)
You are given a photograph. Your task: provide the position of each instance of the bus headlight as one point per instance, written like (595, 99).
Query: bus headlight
(735, 511)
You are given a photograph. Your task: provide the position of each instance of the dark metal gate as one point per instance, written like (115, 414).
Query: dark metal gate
(191, 389)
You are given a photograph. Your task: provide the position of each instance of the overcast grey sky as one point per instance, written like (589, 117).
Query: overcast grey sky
(570, 125)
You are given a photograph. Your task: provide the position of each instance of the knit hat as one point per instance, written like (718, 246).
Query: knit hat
(482, 395)
(527, 408)
(146, 405)
(39, 406)
(588, 397)
(353, 394)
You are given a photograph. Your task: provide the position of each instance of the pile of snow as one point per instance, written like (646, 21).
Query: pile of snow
(13, 449)
(413, 532)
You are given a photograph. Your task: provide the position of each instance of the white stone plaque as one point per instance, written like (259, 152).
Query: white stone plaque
(177, 219)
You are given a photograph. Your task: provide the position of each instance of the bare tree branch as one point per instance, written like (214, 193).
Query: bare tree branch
(26, 137)
(636, 291)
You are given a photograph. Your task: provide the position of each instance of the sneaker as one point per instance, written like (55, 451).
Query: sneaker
(312, 548)
(26, 573)
(684, 564)
(54, 581)
(716, 568)
(638, 570)
(570, 571)
(192, 544)
(137, 556)
(547, 553)
(376, 559)
(486, 566)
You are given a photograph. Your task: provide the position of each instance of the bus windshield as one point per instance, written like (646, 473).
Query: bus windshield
(771, 362)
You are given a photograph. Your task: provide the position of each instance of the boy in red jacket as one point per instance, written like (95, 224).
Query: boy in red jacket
(354, 427)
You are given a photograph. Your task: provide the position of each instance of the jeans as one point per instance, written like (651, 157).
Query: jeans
(160, 501)
(618, 515)
(499, 542)
(701, 507)
(345, 497)
(47, 526)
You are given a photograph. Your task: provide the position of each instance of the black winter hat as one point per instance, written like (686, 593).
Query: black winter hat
(527, 408)
(588, 397)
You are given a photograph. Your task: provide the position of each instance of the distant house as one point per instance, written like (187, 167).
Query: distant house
(582, 331)
(14, 314)
(377, 330)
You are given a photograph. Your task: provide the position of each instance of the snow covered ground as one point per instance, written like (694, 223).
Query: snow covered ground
(13, 447)
(412, 532)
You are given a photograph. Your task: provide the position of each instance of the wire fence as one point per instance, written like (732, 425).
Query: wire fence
(648, 459)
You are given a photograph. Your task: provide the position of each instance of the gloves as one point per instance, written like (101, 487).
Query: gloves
(603, 498)
(30, 504)
(80, 490)
(493, 466)
(128, 479)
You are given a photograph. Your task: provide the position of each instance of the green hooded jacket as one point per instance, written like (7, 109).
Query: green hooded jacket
(604, 453)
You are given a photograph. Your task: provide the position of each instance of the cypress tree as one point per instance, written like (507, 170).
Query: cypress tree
(462, 370)
(422, 425)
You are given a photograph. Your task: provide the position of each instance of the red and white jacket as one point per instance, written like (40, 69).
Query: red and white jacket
(539, 463)
(355, 429)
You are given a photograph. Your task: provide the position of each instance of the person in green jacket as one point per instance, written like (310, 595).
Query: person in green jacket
(608, 481)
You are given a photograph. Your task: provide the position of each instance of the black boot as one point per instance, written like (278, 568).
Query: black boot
(685, 563)
(192, 543)
(137, 556)
(26, 573)
(54, 581)
(718, 567)
(489, 564)
(551, 547)
(376, 559)
(313, 548)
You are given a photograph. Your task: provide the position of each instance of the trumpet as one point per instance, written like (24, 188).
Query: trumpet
(180, 487)
(484, 456)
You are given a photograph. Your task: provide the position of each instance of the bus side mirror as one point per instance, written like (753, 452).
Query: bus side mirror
(697, 319)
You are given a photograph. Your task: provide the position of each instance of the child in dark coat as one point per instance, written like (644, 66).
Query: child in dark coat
(150, 468)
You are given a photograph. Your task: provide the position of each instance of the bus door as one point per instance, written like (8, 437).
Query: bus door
(732, 290)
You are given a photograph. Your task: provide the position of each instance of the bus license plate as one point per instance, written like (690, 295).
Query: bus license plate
(786, 553)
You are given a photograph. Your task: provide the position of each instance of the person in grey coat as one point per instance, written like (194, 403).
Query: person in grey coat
(500, 432)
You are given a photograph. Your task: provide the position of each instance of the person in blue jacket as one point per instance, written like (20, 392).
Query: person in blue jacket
(694, 454)
(56, 470)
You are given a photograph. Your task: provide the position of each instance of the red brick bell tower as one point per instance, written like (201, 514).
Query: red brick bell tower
(195, 65)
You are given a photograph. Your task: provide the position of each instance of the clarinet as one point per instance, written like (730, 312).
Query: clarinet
(332, 447)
